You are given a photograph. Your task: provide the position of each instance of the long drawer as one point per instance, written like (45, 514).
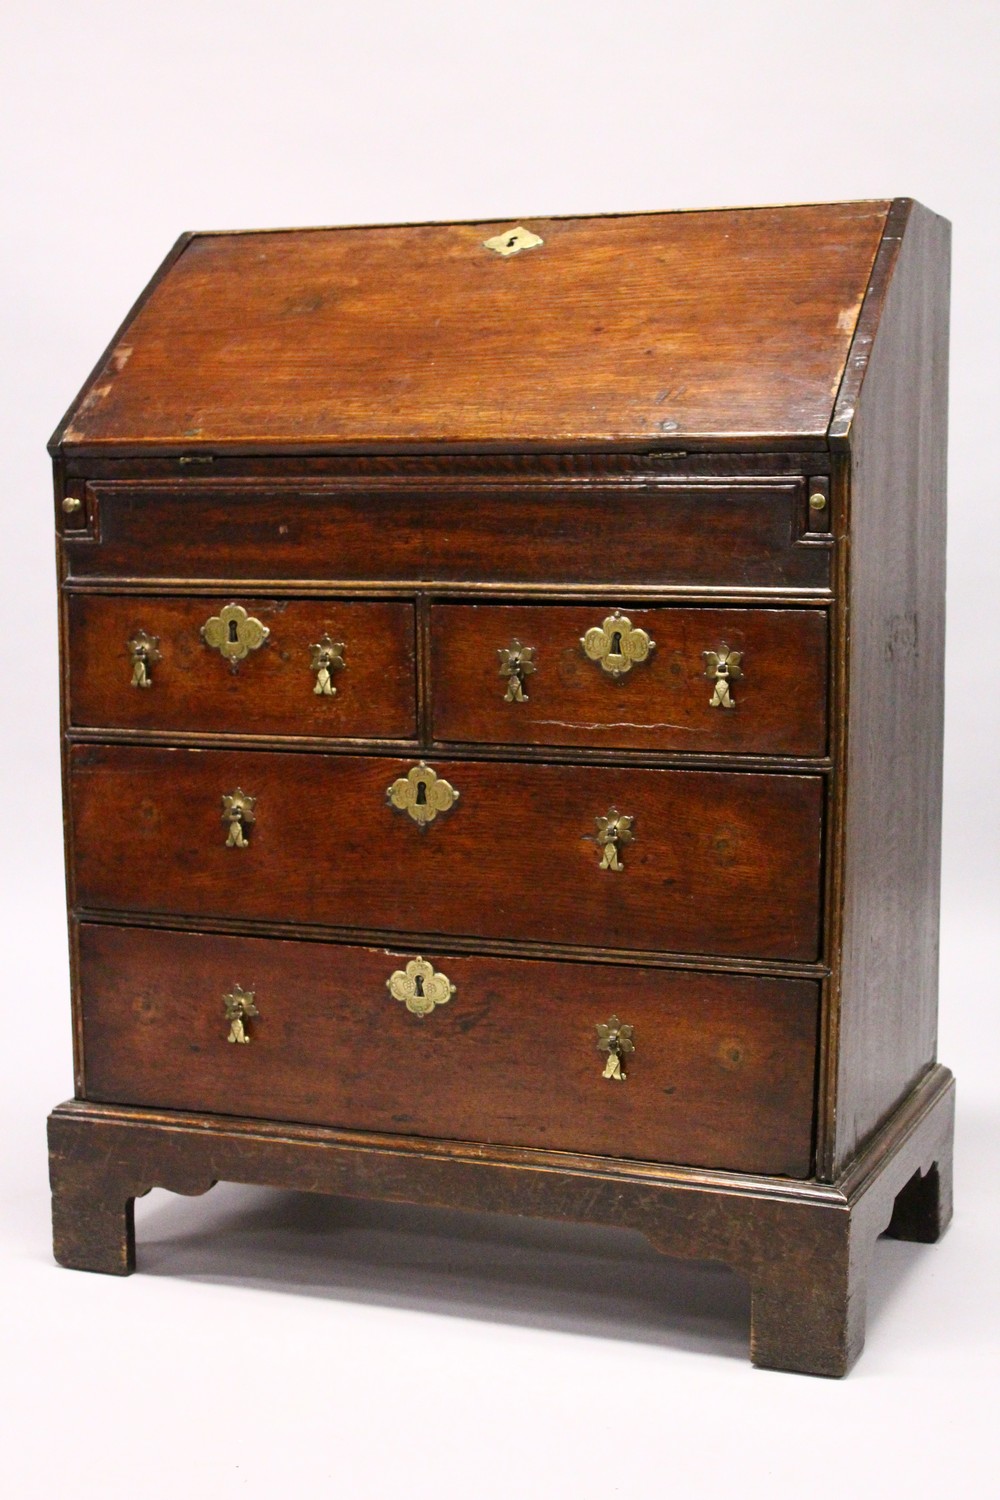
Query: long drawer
(670, 678)
(240, 664)
(721, 533)
(595, 856)
(718, 1068)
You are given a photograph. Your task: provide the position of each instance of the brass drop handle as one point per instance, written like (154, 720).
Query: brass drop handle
(616, 1039)
(422, 794)
(516, 663)
(238, 817)
(234, 634)
(614, 831)
(420, 987)
(327, 658)
(616, 644)
(240, 1008)
(722, 667)
(144, 651)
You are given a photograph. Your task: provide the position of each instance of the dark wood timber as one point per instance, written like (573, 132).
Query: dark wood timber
(804, 1247)
(723, 863)
(459, 532)
(632, 329)
(272, 691)
(894, 608)
(664, 702)
(722, 1074)
(728, 426)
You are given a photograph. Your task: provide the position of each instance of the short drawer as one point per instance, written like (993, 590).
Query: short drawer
(701, 680)
(711, 861)
(720, 1075)
(242, 665)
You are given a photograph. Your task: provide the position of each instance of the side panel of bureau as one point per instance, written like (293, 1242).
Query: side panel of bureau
(895, 600)
(722, 1072)
(720, 533)
(725, 863)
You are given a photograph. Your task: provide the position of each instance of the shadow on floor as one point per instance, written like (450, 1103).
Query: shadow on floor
(578, 1279)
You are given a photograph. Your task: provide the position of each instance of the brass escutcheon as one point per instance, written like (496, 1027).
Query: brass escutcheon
(422, 793)
(239, 1008)
(616, 644)
(613, 832)
(238, 815)
(327, 657)
(516, 663)
(419, 987)
(234, 634)
(144, 650)
(722, 667)
(513, 240)
(615, 1038)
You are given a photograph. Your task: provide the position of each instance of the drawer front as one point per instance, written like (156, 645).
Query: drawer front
(724, 533)
(700, 680)
(720, 862)
(721, 1074)
(326, 668)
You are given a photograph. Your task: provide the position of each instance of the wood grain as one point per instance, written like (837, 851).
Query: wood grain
(643, 328)
(272, 690)
(731, 532)
(722, 1074)
(661, 703)
(891, 850)
(804, 1247)
(725, 863)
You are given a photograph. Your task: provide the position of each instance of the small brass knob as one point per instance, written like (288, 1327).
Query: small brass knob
(144, 650)
(722, 667)
(422, 794)
(239, 1008)
(419, 987)
(817, 501)
(616, 1039)
(327, 658)
(516, 663)
(614, 831)
(71, 504)
(616, 644)
(238, 816)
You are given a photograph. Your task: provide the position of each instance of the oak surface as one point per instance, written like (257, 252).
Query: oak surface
(646, 328)
(272, 689)
(725, 863)
(662, 703)
(728, 532)
(722, 1074)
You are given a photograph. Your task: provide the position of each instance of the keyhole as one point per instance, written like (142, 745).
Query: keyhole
(616, 643)
(512, 241)
(418, 984)
(421, 794)
(233, 632)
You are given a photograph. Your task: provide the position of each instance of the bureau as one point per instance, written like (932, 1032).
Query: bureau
(502, 702)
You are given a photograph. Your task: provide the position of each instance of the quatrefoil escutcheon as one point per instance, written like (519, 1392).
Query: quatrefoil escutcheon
(420, 987)
(422, 794)
(234, 633)
(616, 644)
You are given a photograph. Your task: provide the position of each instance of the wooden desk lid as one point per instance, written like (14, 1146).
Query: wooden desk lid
(641, 331)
